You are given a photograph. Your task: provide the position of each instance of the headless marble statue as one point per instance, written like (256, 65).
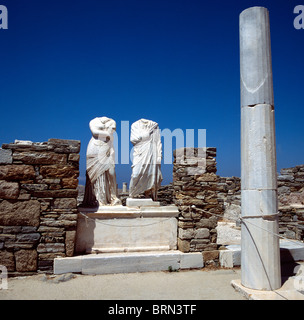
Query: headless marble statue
(146, 175)
(101, 187)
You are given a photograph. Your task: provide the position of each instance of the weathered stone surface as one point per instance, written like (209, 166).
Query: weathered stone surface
(65, 203)
(58, 223)
(208, 177)
(211, 255)
(69, 183)
(26, 260)
(38, 206)
(24, 213)
(202, 233)
(183, 245)
(59, 171)
(50, 247)
(32, 157)
(68, 216)
(73, 157)
(9, 190)
(34, 187)
(50, 257)
(11, 229)
(6, 156)
(16, 172)
(7, 259)
(61, 193)
(64, 146)
(28, 229)
(70, 237)
(185, 233)
(28, 237)
(46, 229)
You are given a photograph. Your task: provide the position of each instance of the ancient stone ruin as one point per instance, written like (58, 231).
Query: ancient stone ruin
(38, 203)
(39, 214)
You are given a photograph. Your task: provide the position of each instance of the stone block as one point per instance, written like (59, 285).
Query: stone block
(185, 233)
(32, 157)
(7, 259)
(65, 203)
(183, 245)
(207, 177)
(73, 157)
(288, 178)
(63, 193)
(69, 183)
(17, 172)
(6, 156)
(22, 213)
(191, 260)
(59, 171)
(34, 186)
(9, 190)
(210, 255)
(50, 247)
(125, 234)
(12, 229)
(131, 202)
(130, 262)
(64, 146)
(26, 260)
(70, 238)
(202, 233)
(69, 264)
(28, 237)
(28, 229)
(49, 222)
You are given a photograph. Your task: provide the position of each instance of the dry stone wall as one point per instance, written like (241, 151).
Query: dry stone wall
(291, 202)
(195, 185)
(38, 203)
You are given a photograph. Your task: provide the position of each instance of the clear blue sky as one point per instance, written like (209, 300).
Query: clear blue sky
(172, 61)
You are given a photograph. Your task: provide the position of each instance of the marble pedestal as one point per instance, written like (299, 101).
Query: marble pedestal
(123, 239)
(126, 229)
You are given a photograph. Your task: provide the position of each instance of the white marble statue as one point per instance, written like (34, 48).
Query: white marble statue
(101, 187)
(146, 174)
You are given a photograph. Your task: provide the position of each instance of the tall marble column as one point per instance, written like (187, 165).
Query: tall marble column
(260, 247)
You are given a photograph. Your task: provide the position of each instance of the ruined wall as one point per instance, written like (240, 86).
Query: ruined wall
(290, 198)
(291, 202)
(195, 194)
(38, 206)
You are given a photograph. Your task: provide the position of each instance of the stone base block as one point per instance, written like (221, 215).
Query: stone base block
(107, 263)
(130, 202)
(121, 229)
(289, 251)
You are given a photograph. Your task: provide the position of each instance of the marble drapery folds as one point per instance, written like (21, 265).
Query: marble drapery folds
(146, 174)
(101, 187)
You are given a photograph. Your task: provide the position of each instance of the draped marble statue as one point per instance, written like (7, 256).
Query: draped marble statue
(101, 187)
(146, 174)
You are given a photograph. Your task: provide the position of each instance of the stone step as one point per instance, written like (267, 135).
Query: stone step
(128, 262)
